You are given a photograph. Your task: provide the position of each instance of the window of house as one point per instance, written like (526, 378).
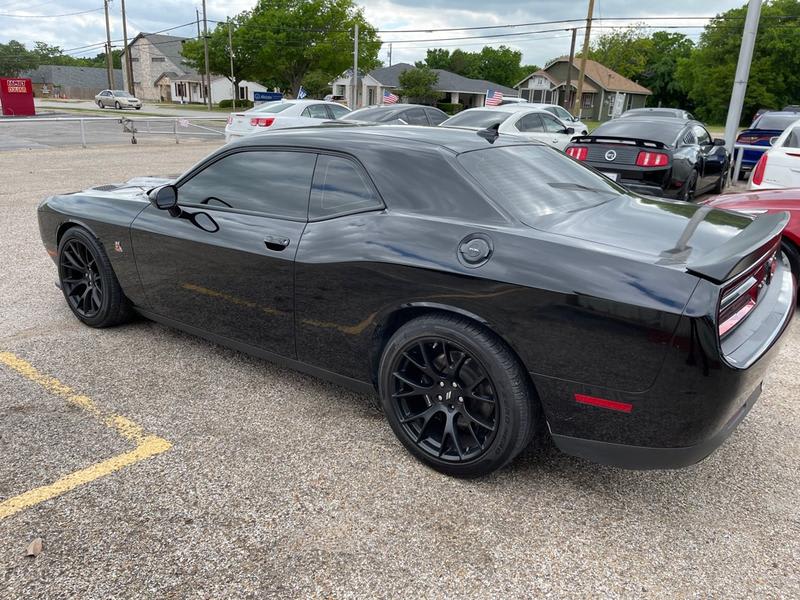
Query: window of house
(340, 187)
(243, 92)
(587, 100)
(275, 183)
(157, 59)
(134, 59)
(180, 89)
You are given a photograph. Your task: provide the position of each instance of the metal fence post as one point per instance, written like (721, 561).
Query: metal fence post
(83, 134)
(175, 129)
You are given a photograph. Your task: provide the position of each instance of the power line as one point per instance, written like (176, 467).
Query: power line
(72, 14)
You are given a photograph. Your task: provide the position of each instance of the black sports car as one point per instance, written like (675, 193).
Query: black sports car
(490, 290)
(657, 156)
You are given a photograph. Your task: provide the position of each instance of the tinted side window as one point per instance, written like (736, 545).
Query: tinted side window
(530, 123)
(316, 111)
(435, 116)
(703, 138)
(415, 116)
(274, 183)
(338, 110)
(340, 187)
(552, 125)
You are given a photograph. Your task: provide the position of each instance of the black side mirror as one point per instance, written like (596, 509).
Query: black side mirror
(165, 198)
(569, 130)
(719, 142)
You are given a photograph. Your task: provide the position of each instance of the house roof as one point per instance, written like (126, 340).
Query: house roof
(68, 76)
(540, 73)
(607, 79)
(168, 45)
(448, 81)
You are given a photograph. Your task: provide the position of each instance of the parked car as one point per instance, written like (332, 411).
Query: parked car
(337, 99)
(563, 115)
(399, 114)
(516, 119)
(792, 108)
(118, 99)
(658, 156)
(676, 113)
(779, 167)
(282, 114)
(757, 203)
(490, 290)
(760, 132)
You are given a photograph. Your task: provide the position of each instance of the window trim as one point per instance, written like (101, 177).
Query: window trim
(199, 168)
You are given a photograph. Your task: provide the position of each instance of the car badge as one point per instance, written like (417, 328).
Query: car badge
(117, 247)
(611, 155)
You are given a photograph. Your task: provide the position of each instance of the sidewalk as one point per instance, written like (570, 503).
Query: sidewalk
(148, 108)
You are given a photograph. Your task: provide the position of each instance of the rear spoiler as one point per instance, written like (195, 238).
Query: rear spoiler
(742, 251)
(604, 139)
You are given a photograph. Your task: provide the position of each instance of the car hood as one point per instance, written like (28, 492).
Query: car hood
(661, 231)
(133, 188)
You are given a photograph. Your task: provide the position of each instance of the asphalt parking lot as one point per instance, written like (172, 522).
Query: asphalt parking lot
(153, 464)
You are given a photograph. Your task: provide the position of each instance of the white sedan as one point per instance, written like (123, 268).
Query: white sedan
(282, 114)
(516, 119)
(779, 167)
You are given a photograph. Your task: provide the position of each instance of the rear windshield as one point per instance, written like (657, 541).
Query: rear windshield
(652, 113)
(376, 115)
(535, 181)
(774, 122)
(666, 133)
(480, 119)
(793, 139)
(271, 107)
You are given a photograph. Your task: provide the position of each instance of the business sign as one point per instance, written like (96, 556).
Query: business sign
(267, 96)
(16, 96)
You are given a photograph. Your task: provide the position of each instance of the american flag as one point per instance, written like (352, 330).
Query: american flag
(493, 98)
(389, 97)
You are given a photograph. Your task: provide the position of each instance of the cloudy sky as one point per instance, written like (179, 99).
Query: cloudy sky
(77, 31)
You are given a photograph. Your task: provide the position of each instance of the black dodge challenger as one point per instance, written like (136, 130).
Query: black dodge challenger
(490, 290)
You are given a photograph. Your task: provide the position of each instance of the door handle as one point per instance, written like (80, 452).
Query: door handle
(276, 242)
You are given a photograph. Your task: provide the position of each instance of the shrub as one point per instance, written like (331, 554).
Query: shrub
(239, 104)
(450, 108)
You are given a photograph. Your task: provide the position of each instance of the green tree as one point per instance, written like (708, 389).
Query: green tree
(500, 65)
(435, 58)
(526, 70)
(708, 73)
(666, 51)
(290, 38)
(625, 51)
(418, 85)
(15, 58)
(317, 84)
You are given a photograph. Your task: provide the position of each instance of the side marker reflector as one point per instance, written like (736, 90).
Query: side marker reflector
(603, 403)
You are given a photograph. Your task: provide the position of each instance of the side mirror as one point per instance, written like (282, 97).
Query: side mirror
(718, 142)
(569, 130)
(165, 198)
(773, 140)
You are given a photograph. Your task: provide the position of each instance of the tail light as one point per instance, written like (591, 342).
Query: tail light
(652, 159)
(753, 138)
(262, 121)
(578, 152)
(758, 172)
(740, 297)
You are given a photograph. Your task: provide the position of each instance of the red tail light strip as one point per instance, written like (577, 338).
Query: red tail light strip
(578, 152)
(758, 172)
(651, 159)
(603, 403)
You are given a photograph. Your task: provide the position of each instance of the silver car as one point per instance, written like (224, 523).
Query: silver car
(118, 99)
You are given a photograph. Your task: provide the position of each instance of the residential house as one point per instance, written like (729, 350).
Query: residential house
(161, 74)
(455, 88)
(606, 93)
(56, 81)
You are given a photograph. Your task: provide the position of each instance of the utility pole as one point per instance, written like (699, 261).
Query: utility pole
(354, 102)
(390, 54)
(197, 14)
(742, 72)
(205, 49)
(109, 64)
(230, 51)
(569, 70)
(576, 108)
(128, 64)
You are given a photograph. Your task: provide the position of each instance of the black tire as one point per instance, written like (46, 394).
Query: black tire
(138, 108)
(88, 282)
(720, 185)
(793, 254)
(689, 188)
(100, 104)
(486, 413)
(117, 105)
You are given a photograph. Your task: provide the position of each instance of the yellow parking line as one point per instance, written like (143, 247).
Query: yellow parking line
(146, 445)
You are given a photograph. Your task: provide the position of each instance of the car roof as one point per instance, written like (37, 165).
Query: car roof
(509, 108)
(393, 107)
(353, 138)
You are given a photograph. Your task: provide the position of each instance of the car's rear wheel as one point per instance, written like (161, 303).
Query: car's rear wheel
(88, 282)
(793, 254)
(687, 193)
(720, 185)
(456, 396)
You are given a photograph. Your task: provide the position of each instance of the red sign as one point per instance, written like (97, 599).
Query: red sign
(16, 96)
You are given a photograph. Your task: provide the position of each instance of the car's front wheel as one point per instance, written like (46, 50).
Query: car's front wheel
(88, 282)
(456, 396)
(117, 105)
(100, 104)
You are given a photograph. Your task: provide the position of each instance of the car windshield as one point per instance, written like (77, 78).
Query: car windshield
(774, 122)
(121, 94)
(479, 119)
(665, 132)
(271, 107)
(534, 181)
(376, 115)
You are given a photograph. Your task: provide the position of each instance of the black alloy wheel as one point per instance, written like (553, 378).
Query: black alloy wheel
(444, 399)
(456, 396)
(88, 282)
